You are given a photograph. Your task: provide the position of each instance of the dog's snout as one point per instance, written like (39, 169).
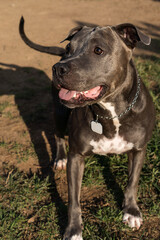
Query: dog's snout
(61, 69)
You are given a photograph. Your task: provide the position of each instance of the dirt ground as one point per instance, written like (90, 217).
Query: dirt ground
(48, 22)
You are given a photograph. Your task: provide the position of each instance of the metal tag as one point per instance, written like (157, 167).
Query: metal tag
(96, 127)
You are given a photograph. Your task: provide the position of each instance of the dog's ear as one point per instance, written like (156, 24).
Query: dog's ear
(131, 35)
(72, 33)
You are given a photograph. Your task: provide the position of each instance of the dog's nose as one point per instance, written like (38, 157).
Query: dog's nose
(61, 69)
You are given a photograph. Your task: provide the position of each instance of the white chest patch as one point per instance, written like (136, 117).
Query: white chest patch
(115, 145)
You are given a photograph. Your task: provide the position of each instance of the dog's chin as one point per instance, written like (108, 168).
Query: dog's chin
(81, 100)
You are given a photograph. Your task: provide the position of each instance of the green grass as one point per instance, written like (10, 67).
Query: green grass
(30, 206)
(21, 151)
(3, 106)
(26, 208)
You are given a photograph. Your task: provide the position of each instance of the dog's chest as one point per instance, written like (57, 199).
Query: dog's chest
(117, 144)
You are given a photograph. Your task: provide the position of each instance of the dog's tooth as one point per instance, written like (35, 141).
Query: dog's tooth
(74, 95)
(81, 92)
(86, 92)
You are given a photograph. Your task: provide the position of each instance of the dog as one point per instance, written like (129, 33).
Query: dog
(100, 96)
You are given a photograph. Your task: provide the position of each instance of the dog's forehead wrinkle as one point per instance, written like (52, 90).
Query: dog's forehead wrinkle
(88, 36)
(79, 44)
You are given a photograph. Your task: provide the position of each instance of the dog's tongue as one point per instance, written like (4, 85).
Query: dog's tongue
(67, 95)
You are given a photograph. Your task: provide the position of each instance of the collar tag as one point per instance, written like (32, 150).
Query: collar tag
(96, 127)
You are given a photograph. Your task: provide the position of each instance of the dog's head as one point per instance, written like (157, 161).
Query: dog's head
(95, 62)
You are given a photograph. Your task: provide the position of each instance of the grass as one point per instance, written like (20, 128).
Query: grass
(3, 106)
(31, 206)
(21, 152)
(27, 211)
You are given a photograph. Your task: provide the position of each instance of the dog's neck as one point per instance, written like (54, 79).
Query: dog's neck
(122, 101)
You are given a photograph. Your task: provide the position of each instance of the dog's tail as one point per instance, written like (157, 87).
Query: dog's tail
(50, 50)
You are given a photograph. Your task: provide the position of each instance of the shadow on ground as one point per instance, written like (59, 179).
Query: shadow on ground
(31, 88)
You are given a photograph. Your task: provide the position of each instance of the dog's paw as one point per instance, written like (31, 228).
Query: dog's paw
(73, 232)
(132, 221)
(60, 164)
(75, 237)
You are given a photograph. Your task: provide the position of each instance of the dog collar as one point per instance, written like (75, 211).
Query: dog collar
(97, 127)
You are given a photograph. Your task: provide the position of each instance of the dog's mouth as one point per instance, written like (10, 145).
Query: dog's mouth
(78, 98)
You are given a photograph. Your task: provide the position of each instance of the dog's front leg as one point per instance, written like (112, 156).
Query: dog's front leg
(75, 168)
(132, 215)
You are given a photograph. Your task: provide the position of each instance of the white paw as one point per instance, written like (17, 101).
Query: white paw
(60, 164)
(132, 221)
(77, 237)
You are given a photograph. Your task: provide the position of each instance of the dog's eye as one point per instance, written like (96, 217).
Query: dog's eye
(98, 51)
(68, 48)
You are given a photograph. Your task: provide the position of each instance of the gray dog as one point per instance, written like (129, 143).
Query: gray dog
(108, 109)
